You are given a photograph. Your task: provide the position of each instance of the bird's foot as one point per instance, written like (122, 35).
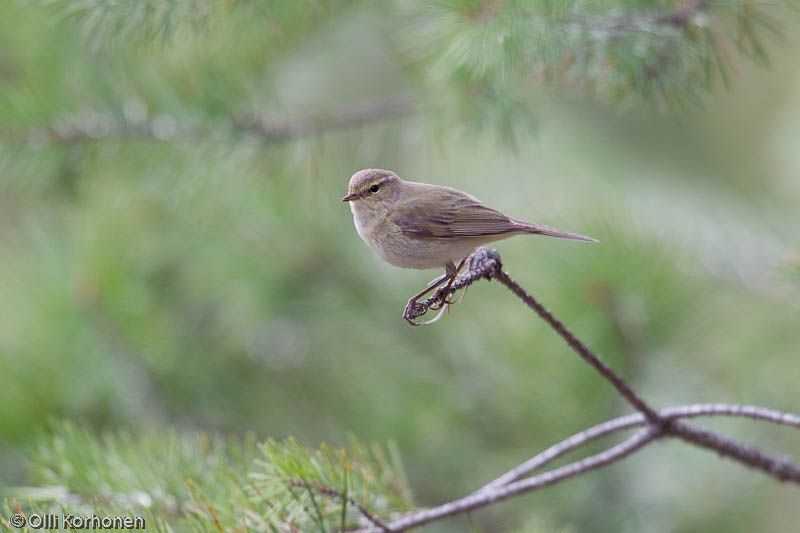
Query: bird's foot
(441, 300)
(445, 297)
(414, 310)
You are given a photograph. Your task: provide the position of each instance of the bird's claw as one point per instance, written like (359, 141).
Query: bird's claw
(443, 300)
(413, 310)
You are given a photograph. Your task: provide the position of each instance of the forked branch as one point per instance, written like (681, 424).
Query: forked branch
(655, 424)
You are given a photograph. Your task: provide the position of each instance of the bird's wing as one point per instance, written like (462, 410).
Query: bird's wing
(443, 213)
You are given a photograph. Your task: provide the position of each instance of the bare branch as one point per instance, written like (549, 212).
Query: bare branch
(485, 263)
(486, 497)
(727, 409)
(557, 450)
(637, 419)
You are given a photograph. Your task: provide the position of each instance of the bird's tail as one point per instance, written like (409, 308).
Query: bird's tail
(538, 229)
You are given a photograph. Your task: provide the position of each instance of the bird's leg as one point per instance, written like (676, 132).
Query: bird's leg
(463, 293)
(453, 271)
(446, 297)
(432, 285)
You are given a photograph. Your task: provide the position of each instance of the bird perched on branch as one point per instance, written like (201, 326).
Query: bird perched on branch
(416, 225)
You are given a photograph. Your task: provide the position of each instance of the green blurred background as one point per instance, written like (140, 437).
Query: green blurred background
(213, 280)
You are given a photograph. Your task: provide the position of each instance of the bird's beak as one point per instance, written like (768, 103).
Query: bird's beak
(350, 197)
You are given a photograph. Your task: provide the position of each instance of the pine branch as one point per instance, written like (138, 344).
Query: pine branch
(102, 22)
(625, 54)
(580, 51)
(343, 116)
(97, 127)
(211, 483)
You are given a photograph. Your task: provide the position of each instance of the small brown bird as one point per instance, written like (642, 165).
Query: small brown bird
(416, 225)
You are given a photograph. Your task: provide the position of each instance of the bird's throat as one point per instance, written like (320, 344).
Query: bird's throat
(363, 219)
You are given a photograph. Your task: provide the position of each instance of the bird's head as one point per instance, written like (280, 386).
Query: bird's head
(373, 187)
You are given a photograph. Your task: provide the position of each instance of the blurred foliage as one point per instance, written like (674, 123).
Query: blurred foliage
(181, 481)
(162, 266)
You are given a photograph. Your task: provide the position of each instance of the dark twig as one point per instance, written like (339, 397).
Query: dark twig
(777, 467)
(330, 491)
(686, 10)
(680, 19)
(485, 263)
(643, 22)
(580, 348)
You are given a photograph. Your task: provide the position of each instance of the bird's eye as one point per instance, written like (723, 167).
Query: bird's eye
(374, 188)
